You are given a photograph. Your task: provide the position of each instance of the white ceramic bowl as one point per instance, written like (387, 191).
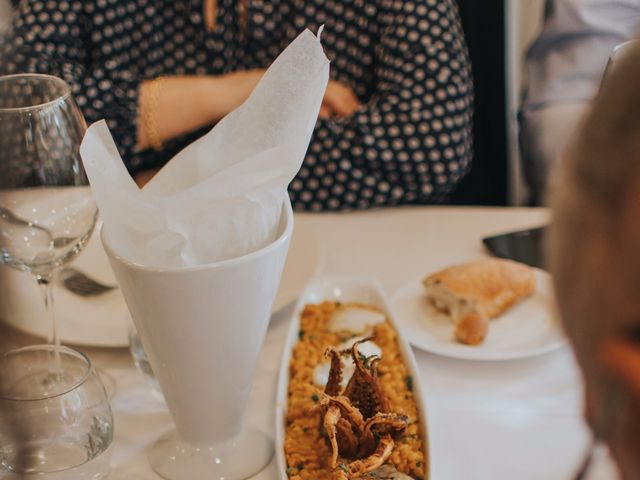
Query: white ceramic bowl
(344, 289)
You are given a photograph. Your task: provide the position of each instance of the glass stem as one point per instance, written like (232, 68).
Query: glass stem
(44, 281)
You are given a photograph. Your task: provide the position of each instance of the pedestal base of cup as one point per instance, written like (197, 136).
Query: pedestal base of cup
(174, 459)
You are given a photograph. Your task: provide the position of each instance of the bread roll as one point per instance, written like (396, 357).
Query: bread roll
(471, 328)
(475, 292)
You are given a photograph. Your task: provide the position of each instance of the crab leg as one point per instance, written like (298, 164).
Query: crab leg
(347, 410)
(335, 373)
(373, 461)
(389, 422)
(331, 419)
(339, 474)
(341, 437)
(364, 389)
(347, 440)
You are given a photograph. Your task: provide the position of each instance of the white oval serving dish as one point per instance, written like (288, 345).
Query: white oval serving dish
(344, 289)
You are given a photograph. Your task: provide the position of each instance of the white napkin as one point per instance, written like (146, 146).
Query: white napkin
(222, 196)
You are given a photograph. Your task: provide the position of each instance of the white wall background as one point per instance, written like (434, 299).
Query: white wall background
(529, 24)
(524, 20)
(5, 15)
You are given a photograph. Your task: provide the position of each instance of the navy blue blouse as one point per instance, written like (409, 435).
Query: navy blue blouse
(406, 60)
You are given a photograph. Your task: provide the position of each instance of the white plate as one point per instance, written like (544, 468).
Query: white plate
(528, 329)
(102, 321)
(343, 289)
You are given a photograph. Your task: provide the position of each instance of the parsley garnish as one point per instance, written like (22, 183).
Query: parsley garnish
(409, 381)
(364, 360)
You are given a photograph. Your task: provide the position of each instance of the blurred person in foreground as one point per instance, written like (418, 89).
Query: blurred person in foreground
(564, 66)
(395, 125)
(595, 257)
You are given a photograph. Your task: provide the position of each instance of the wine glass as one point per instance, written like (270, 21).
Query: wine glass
(52, 433)
(47, 211)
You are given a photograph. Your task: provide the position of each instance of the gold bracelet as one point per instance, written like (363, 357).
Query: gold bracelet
(151, 104)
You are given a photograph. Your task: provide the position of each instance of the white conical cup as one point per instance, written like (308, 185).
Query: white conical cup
(202, 328)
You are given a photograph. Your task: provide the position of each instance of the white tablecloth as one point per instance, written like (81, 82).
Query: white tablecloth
(488, 420)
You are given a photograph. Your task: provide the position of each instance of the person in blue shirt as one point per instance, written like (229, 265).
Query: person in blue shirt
(564, 67)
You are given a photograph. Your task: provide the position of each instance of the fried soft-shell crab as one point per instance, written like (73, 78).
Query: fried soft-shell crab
(358, 422)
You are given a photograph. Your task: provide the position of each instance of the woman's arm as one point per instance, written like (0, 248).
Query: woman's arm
(185, 104)
(209, 99)
(412, 142)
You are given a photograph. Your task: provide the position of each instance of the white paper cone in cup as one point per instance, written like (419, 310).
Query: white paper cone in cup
(221, 196)
(198, 254)
(202, 328)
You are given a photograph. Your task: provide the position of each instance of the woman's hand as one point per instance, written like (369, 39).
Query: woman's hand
(339, 101)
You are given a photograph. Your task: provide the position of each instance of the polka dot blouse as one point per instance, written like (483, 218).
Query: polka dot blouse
(406, 60)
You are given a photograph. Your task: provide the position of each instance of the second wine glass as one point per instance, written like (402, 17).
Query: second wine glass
(47, 211)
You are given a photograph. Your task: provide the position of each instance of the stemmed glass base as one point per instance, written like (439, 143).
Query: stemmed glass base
(243, 457)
